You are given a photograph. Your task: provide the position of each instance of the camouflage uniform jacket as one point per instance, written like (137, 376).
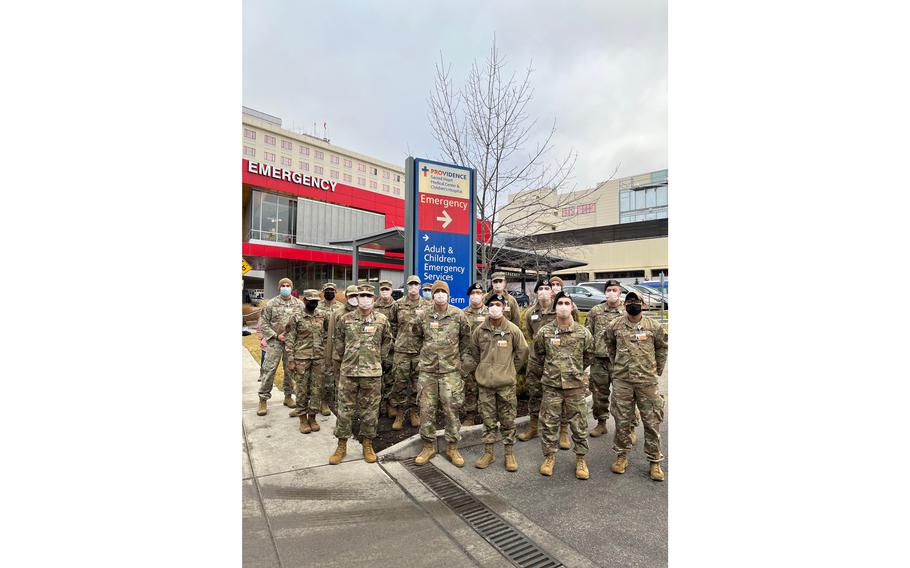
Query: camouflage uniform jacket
(277, 315)
(306, 338)
(404, 314)
(500, 350)
(336, 310)
(638, 350)
(476, 316)
(384, 309)
(598, 319)
(559, 356)
(544, 317)
(512, 311)
(362, 343)
(444, 341)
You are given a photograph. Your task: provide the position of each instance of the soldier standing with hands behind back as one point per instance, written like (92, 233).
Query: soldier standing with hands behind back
(274, 321)
(306, 348)
(476, 314)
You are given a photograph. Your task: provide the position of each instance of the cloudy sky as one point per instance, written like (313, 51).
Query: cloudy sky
(366, 69)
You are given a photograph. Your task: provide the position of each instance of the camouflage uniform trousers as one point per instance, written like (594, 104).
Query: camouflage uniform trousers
(441, 389)
(309, 375)
(601, 383)
(470, 393)
(557, 405)
(626, 396)
(267, 371)
(404, 387)
(328, 383)
(534, 389)
(355, 393)
(498, 404)
(388, 380)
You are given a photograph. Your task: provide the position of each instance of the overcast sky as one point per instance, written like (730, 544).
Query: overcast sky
(366, 68)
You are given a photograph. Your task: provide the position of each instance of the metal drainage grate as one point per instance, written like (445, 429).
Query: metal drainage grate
(508, 540)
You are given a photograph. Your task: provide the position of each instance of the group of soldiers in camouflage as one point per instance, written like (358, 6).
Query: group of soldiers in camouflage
(407, 357)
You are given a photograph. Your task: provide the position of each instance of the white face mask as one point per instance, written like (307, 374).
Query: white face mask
(426, 294)
(495, 312)
(413, 289)
(499, 286)
(612, 296)
(353, 301)
(556, 288)
(544, 295)
(440, 298)
(476, 299)
(365, 302)
(385, 294)
(563, 310)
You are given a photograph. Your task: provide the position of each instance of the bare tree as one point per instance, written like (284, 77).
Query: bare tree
(485, 126)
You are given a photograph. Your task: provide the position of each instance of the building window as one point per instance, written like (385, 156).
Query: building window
(385, 188)
(568, 211)
(249, 134)
(249, 152)
(274, 218)
(333, 174)
(397, 191)
(270, 157)
(319, 155)
(644, 204)
(624, 274)
(659, 176)
(385, 174)
(334, 160)
(286, 146)
(347, 163)
(285, 162)
(270, 140)
(374, 171)
(587, 208)
(397, 178)
(304, 166)
(361, 167)
(362, 181)
(304, 151)
(372, 184)
(317, 170)
(347, 178)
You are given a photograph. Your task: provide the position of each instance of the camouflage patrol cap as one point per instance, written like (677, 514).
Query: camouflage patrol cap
(438, 286)
(328, 285)
(562, 294)
(632, 296)
(285, 281)
(497, 298)
(311, 294)
(385, 284)
(498, 276)
(366, 289)
(539, 284)
(351, 290)
(426, 286)
(475, 286)
(413, 278)
(556, 279)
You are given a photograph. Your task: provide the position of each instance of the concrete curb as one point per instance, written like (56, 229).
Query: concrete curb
(470, 436)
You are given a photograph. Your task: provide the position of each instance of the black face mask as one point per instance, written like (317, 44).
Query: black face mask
(311, 305)
(329, 294)
(633, 309)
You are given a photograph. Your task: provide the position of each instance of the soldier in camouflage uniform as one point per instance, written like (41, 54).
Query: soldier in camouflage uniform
(306, 348)
(403, 397)
(363, 338)
(598, 318)
(384, 306)
(476, 313)
(556, 286)
(542, 312)
(273, 323)
(443, 335)
(330, 370)
(350, 305)
(513, 311)
(500, 349)
(638, 351)
(561, 351)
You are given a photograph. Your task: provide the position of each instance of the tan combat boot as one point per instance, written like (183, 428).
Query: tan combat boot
(619, 466)
(263, 409)
(486, 458)
(340, 452)
(546, 468)
(428, 451)
(415, 419)
(600, 429)
(297, 412)
(369, 455)
(289, 401)
(324, 409)
(393, 411)
(304, 425)
(511, 464)
(581, 468)
(564, 437)
(657, 474)
(468, 420)
(531, 432)
(314, 426)
(399, 421)
(453, 455)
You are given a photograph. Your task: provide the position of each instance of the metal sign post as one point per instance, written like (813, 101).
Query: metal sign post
(440, 225)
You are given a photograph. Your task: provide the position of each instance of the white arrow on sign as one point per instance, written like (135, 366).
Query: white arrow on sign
(426, 237)
(445, 219)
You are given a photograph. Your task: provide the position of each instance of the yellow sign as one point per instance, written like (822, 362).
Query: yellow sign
(444, 180)
(246, 266)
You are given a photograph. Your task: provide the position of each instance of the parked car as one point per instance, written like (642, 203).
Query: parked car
(653, 299)
(520, 297)
(585, 297)
(397, 293)
(655, 285)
